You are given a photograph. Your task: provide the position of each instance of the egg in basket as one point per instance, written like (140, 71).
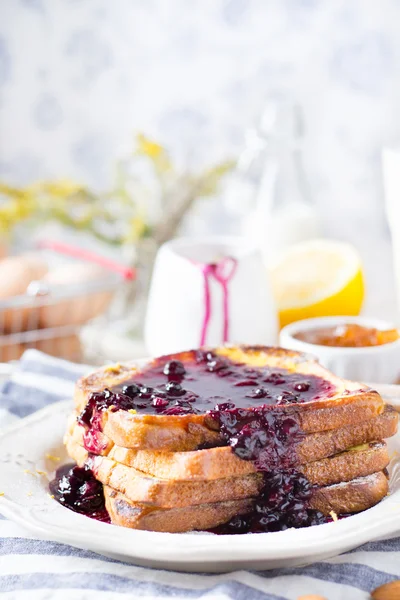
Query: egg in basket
(47, 295)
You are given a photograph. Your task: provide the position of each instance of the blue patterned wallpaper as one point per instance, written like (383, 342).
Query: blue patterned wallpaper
(78, 77)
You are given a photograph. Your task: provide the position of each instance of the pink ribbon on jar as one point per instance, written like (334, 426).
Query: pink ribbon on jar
(222, 272)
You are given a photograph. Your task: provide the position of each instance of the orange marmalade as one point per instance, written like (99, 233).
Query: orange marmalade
(348, 336)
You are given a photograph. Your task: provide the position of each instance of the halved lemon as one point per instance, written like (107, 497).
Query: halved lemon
(318, 278)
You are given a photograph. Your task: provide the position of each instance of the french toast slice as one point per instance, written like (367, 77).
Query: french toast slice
(168, 493)
(181, 436)
(215, 463)
(328, 403)
(137, 515)
(358, 461)
(350, 497)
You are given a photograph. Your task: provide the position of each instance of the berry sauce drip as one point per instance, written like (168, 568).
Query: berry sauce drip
(77, 489)
(269, 438)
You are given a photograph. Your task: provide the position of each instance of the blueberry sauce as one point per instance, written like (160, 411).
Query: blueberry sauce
(268, 437)
(252, 407)
(77, 489)
(167, 386)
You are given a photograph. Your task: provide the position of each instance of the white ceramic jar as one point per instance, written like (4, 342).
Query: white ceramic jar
(209, 291)
(377, 364)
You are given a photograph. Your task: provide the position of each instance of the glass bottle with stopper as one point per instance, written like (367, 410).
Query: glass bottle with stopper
(283, 212)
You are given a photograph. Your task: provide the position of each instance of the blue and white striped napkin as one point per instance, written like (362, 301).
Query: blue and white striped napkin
(35, 569)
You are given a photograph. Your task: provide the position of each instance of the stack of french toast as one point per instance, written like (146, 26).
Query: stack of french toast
(229, 440)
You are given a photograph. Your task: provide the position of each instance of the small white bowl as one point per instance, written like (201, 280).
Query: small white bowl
(378, 364)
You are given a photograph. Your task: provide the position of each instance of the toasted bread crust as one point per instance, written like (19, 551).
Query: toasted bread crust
(328, 443)
(185, 435)
(186, 432)
(140, 487)
(351, 403)
(353, 496)
(215, 463)
(174, 432)
(173, 520)
(348, 465)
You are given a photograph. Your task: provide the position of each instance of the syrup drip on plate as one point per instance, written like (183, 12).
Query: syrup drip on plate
(77, 489)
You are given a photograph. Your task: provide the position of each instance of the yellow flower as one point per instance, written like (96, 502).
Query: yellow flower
(157, 154)
(148, 147)
(14, 210)
(113, 216)
(63, 188)
(137, 228)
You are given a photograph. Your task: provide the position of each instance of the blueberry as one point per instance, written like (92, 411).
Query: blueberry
(238, 524)
(145, 392)
(259, 392)
(159, 402)
(269, 522)
(174, 389)
(286, 398)
(131, 390)
(316, 518)
(174, 370)
(301, 386)
(224, 406)
(216, 364)
(122, 402)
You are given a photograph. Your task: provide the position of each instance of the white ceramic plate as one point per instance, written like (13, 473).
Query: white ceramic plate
(23, 450)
